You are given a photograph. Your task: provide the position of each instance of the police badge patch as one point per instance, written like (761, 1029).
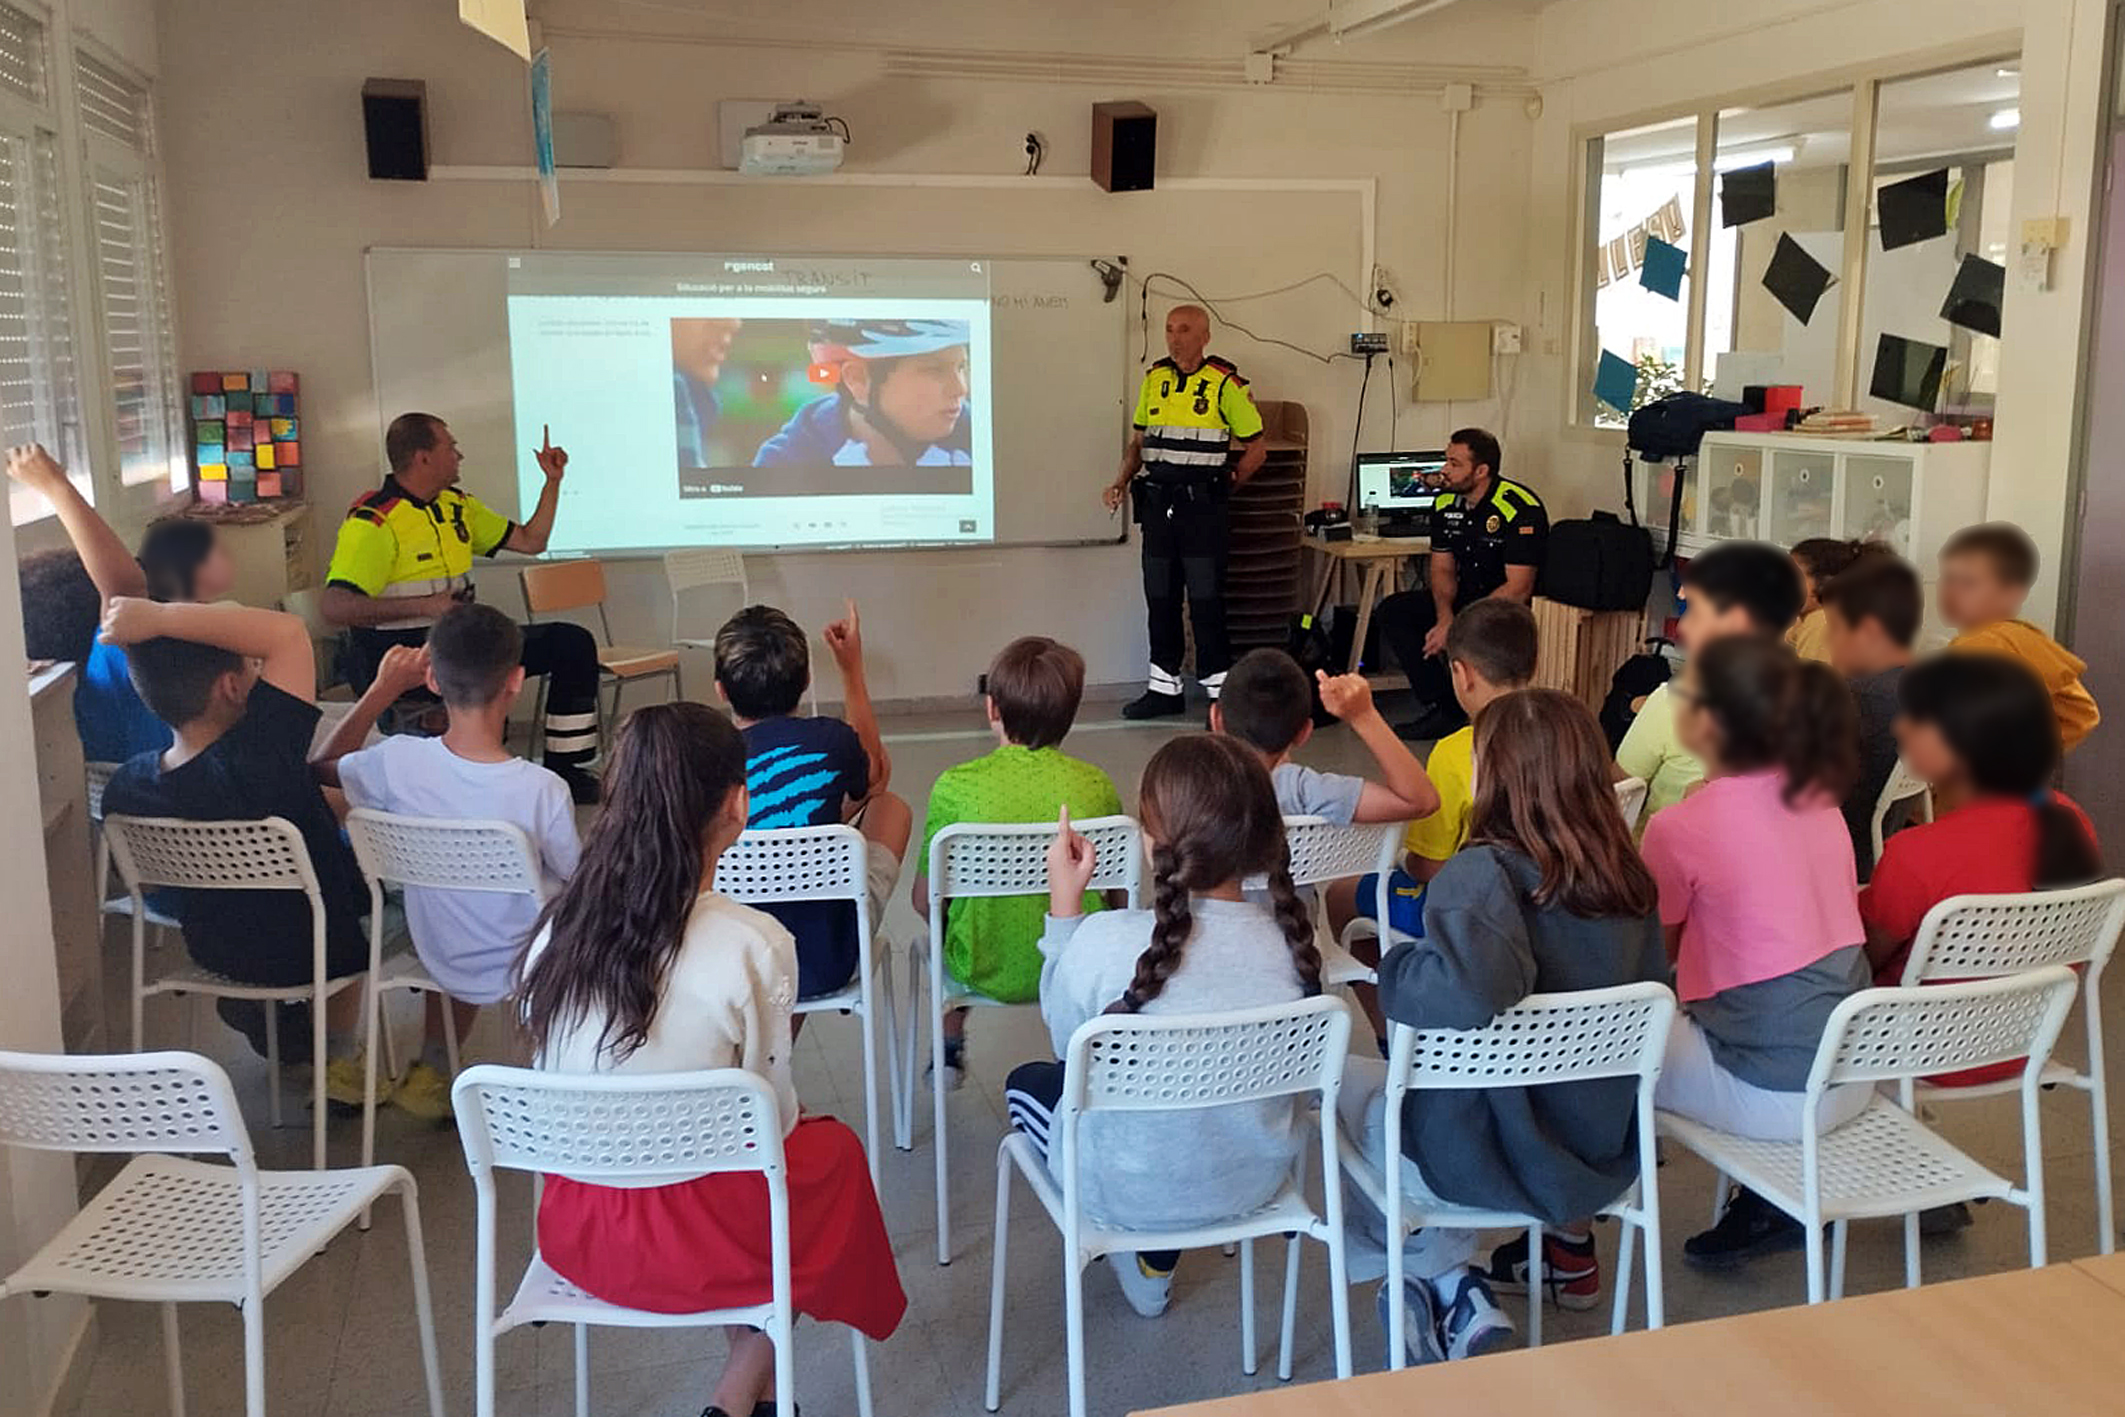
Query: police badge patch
(1202, 405)
(1492, 526)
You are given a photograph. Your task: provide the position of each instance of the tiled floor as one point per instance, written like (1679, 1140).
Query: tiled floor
(341, 1339)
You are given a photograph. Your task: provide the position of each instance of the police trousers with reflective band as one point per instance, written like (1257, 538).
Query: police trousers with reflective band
(1186, 535)
(566, 654)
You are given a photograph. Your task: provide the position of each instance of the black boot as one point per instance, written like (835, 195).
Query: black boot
(1153, 704)
(1751, 1226)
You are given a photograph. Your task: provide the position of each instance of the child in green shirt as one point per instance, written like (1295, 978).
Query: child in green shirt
(992, 945)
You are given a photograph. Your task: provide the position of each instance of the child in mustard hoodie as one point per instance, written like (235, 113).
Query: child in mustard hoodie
(1986, 572)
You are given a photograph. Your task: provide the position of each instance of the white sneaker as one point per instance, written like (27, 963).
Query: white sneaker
(1472, 1324)
(1146, 1289)
(1420, 1322)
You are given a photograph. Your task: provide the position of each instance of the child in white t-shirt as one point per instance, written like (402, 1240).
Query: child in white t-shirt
(468, 940)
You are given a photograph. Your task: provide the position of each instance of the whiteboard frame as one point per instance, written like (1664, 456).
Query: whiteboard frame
(657, 553)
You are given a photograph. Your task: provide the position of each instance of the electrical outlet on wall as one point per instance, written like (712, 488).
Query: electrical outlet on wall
(1504, 338)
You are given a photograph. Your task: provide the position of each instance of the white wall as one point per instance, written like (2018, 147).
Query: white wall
(1597, 72)
(268, 233)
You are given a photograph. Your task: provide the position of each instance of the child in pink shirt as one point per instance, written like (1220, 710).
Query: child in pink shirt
(1760, 903)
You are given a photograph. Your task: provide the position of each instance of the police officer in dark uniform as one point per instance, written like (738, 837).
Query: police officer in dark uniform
(1179, 469)
(1488, 538)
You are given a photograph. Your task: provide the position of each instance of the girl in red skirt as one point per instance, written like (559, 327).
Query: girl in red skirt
(639, 967)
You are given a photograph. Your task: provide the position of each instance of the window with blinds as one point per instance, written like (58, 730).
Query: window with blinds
(130, 266)
(39, 400)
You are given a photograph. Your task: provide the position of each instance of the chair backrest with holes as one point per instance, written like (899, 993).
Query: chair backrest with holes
(1979, 936)
(1630, 799)
(969, 859)
(128, 1102)
(1322, 851)
(447, 855)
(1883, 1035)
(260, 854)
(563, 585)
(795, 863)
(1176, 1062)
(1545, 1038)
(99, 776)
(1903, 786)
(704, 566)
(617, 1129)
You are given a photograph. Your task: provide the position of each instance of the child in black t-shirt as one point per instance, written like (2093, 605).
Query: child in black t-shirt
(236, 687)
(806, 772)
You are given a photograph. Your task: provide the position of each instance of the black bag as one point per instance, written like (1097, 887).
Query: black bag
(1598, 564)
(1672, 427)
(1312, 645)
(1634, 679)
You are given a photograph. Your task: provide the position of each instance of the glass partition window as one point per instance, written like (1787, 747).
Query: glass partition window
(1643, 183)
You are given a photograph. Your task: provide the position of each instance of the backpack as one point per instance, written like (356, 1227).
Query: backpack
(1598, 564)
(1673, 426)
(1634, 679)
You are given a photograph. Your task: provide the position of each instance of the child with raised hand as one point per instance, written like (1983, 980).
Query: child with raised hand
(1986, 573)
(1760, 906)
(468, 940)
(1268, 705)
(805, 771)
(639, 966)
(992, 945)
(1210, 820)
(1548, 896)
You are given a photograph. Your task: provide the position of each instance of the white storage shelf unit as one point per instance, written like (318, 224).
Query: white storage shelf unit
(1787, 487)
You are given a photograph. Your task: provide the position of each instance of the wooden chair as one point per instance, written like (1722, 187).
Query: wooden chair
(554, 587)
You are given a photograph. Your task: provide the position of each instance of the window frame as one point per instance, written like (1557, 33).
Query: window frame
(1863, 83)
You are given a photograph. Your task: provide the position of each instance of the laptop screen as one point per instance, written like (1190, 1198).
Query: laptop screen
(1399, 481)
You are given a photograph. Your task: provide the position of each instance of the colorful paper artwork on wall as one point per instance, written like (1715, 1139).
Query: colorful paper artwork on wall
(246, 435)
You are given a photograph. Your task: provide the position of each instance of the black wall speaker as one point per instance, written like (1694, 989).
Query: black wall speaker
(1124, 146)
(395, 124)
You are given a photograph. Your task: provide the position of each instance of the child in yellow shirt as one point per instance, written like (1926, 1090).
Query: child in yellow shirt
(1986, 572)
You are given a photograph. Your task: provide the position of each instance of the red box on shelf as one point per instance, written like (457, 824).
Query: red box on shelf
(1760, 423)
(1778, 398)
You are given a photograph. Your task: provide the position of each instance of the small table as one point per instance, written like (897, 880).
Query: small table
(2034, 1341)
(1378, 561)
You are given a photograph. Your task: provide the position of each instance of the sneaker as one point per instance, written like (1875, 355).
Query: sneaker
(345, 1079)
(1571, 1273)
(1473, 1324)
(1433, 722)
(955, 1064)
(1937, 1220)
(1749, 1227)
(424, 1093)
(1146, 1289)
(1420, 1322)
(583, 785)
(1152, 704)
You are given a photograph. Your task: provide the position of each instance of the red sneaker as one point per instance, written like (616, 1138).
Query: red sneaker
(1571, 1274)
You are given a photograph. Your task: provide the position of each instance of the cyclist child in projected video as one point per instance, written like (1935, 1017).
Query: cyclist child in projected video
(899, 399)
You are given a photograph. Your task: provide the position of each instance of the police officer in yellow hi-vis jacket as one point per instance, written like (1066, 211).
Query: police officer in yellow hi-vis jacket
(1179, 469)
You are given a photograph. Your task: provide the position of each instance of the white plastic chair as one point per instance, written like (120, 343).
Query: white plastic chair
(168, 1230)
(1321, 852)
(699, 569)
(827, 863)
(430, 854)
(1544, 1040)
(973, 860)
(1903, 786)
(635, 1130)
(99, 777)
(1984, 936)
(1180, 1063)
(265, 854)
(1885, 1161)
(1630, 799)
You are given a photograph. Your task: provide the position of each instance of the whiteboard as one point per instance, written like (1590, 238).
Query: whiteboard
(439, 343)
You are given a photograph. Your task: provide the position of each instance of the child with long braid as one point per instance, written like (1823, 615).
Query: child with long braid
(1210, 820)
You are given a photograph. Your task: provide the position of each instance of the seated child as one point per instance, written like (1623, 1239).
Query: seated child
(235, 685)
(808, 772)
(992, 944)
(1210, 820)
(468, 940)
(639, 967)
(1760, 908)
(1821, 559)
(1981, 732)
(1490, 652)
(1548, 896)
(1986, 572)
(1736, 588)
(1873, 612)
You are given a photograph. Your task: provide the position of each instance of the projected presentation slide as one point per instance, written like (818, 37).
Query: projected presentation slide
(756, 401)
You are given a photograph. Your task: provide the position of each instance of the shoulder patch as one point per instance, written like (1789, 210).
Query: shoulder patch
(1226, 367)
(1523, 493)
(378, 500)
(1444, 500)
(1166, 363)
(362, 512)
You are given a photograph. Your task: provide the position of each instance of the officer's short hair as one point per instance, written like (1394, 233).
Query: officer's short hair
(177, 677)
(1755, 575)
(408, 435)
(1496, 638)
(1884, 589)
(762, 662)
(2006, 548)
(1482, 448)
(1036, 683)
(1267, 700)
(471, 651)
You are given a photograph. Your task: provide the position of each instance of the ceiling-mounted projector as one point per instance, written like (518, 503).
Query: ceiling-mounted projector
(798, 140)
